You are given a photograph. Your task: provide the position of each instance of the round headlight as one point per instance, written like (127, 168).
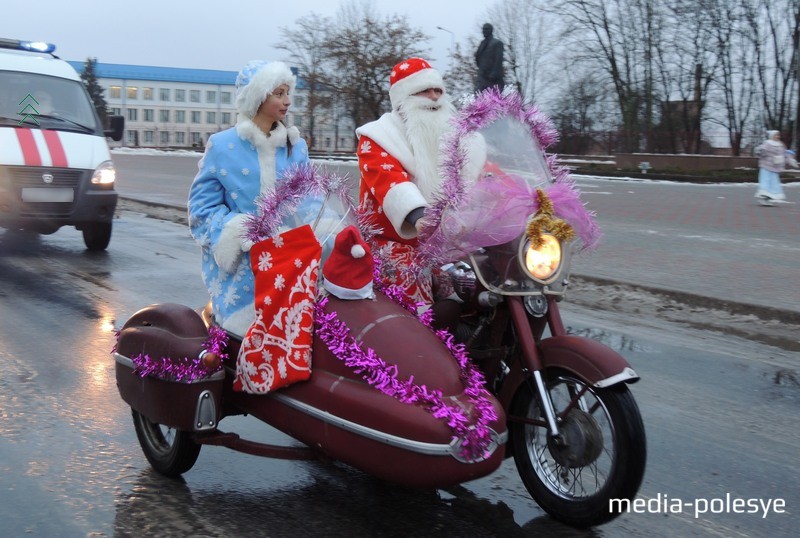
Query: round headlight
(105, 174)
(542, 263)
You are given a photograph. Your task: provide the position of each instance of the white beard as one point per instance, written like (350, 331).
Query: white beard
(426, 123)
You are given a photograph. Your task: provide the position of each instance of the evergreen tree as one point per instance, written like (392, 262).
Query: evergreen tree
(89, 78)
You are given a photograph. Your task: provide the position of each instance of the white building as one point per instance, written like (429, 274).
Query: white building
(178, 107)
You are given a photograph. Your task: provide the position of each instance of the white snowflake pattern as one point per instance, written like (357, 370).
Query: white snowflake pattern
(234, 195)
(280, 282)
(366, 169)
(264, 261)
(230, 297)
(245, 171)
(266, 355)
(230, 145)
(405, 173)
(372, 190)
(282, 367)
(278, 241)
(213, 169)
(223, 172)
(298, 263)
(366, 147)
(268, 300)
(404, 66)
(215, 287)
(384, 154)
(387, 166)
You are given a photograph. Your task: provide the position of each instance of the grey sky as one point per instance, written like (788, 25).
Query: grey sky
(184, 34)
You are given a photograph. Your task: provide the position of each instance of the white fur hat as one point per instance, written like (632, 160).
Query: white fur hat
(256, 81)
(770, 134)
(412, 76)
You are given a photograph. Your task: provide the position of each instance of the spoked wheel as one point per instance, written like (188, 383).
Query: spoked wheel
(601, 455)
(171, 452)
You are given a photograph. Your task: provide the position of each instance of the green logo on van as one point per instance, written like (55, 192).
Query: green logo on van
(28, 110)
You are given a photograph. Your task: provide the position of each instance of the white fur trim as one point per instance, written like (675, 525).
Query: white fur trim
(293, 134)
(476, 158)
(347, 293)
(228, 249)
(239, 322)
(419, 81)
(389, 131)
(263, 83)
(401, 200)
(265, 147)
(357, 251)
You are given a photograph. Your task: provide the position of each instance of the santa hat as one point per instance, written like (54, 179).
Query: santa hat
(412, 76)
(256, 81)
(347, 273)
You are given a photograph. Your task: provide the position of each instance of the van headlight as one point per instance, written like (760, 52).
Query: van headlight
(104, 175)
(542, 263)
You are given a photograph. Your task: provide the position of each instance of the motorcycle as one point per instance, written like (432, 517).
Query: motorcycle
(395, 398)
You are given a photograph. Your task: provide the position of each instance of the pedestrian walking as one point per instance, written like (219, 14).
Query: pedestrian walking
(773, 158)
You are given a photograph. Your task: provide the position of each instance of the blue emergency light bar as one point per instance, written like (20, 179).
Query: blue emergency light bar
(32, 46)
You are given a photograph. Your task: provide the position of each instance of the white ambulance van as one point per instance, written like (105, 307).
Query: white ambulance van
(55, 165)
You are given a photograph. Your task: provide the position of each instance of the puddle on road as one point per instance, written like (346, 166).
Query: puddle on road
(616, 341)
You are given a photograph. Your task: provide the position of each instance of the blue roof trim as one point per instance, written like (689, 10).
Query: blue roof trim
(167, 74)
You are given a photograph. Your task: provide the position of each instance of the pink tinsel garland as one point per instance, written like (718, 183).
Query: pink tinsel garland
(184, 369)
(475, 439)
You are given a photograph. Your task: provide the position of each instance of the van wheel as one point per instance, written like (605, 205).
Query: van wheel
(96, 235)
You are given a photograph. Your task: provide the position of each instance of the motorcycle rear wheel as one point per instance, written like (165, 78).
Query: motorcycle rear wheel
(171, 452)
(605, 457)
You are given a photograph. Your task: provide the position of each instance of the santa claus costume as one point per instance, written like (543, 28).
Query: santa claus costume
(240, 164)
(398, 157)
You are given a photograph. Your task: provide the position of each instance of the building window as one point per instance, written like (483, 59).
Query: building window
(194, 96)
(163, 94)
(226, 118)
(225, 98)
(148, 137)
(132, 92)
(114, 92)
(180, 96)
(211, 117)
(211, 96)
(147, 94)
(180, 138)
(148, 114)
(196, 139)
(132, 137)
(180, 116)
(163, 116)
(164, 138)
(195, 116)
(116, 111)
(133, 114)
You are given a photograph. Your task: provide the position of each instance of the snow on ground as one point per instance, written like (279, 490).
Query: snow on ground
(153, 151)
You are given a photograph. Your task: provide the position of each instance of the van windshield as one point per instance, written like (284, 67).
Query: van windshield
(44, 102)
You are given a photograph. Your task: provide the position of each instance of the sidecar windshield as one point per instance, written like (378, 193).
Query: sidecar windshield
(512, 152)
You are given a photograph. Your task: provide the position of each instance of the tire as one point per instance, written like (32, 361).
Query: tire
(96, 235)
(171, 452)
(606, 455)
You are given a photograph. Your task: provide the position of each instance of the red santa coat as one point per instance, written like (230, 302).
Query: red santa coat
(388, 193)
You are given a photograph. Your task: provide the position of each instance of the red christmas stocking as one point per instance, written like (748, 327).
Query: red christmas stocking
(276, 350)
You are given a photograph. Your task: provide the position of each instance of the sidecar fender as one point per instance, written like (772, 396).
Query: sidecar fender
(589, 359)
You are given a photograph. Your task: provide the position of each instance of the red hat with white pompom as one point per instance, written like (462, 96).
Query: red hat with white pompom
(412, 76)
(347, 273)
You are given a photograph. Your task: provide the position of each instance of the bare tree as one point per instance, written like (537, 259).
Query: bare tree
(304, 44)
(361, 49)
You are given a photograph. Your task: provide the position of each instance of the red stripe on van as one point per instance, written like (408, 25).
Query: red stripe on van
(29, 150)
(56, 149)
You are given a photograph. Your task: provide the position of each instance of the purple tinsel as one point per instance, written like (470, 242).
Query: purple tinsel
(478, 112)
(475, 439)
(183, 369)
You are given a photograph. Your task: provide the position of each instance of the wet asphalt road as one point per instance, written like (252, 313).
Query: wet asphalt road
(721, 416)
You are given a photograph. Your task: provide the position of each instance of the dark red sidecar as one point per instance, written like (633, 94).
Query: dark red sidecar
(335, 412)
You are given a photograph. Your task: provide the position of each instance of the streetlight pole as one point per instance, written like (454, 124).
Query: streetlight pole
(452, 43)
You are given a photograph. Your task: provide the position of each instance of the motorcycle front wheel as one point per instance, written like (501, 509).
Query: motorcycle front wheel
(171, 452)
(602, 456)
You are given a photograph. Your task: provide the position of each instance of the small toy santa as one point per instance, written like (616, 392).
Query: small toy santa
(348, 272)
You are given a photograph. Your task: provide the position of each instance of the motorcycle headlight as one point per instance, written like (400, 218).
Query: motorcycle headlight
(543, 262)
(104, 175)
